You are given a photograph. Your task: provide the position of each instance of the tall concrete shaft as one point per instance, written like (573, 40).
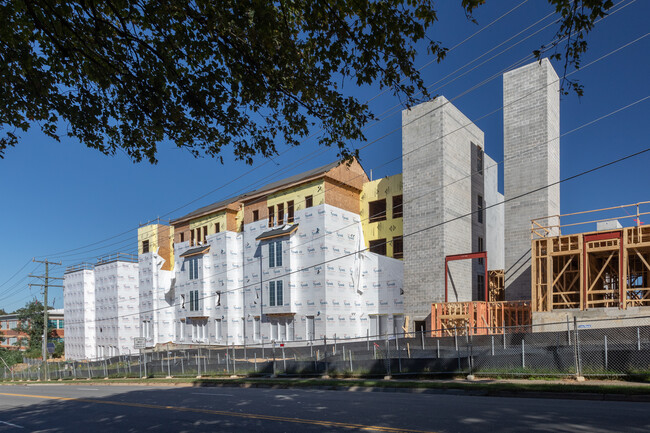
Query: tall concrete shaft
(439, 147)
(531, 124)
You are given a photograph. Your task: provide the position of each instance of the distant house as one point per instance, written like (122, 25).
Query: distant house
(10, 336)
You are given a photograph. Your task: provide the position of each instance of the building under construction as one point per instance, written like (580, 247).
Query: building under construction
(599, 273)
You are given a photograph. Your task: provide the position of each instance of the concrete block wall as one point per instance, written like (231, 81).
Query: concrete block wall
(531, 151)
(422, 147)
(494, 216)
(437, 144)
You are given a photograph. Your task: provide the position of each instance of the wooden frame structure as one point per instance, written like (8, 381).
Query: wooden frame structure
(479, 318)
(603, 269)
(496, 285)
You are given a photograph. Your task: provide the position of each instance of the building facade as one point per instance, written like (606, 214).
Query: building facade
(101, 302)
(12, 339)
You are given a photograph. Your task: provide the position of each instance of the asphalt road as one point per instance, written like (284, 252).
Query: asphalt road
(95, 409)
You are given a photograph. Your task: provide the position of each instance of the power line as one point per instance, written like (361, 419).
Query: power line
(130, 230)
(575, 176)
(520, 153)
(58, 254)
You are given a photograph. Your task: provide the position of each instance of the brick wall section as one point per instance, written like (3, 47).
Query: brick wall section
(436, 148)
(342, 196)
(531, 125)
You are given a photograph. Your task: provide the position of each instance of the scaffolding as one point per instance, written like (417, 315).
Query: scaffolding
(608, 268)
(479, 318)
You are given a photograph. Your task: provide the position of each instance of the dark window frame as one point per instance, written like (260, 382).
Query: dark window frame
(377, 246)
(290, 211)
(398, 247)
(280, 214)
(398, 210)
(375, 212)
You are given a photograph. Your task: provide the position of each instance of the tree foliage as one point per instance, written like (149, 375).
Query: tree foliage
(209, 76)
(30, 322)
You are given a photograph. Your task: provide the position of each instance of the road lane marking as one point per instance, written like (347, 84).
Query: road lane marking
(211, 393)
(10, 424)
(362, 427)
(88, 389)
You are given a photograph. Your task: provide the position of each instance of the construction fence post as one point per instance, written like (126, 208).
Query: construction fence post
(387, 357)
(350, 358)
(274, 371)
(325, 353)
(399, 353)
(576, 349)
(234, 367)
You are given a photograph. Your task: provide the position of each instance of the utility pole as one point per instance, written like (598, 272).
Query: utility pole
(46, 279)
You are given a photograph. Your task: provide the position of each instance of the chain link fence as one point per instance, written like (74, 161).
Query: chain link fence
(604, 348)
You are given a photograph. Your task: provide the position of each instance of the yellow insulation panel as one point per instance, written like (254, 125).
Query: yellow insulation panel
(298, 193)
(381, 189)
(210, 221)
(148, 233)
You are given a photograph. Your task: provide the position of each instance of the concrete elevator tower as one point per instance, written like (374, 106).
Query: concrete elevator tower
(531, 131)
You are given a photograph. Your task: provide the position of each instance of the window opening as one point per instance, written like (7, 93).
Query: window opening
(309, 201)
(279, 294)
(377, 210)
(278, 253)
(280, 214)
(145, 247)
(271, 216)
(272, 293)
(290, 211)
(398, 247)
(378, 246)
(397, 206)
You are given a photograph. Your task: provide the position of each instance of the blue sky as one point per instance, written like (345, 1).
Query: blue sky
(66, 202)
